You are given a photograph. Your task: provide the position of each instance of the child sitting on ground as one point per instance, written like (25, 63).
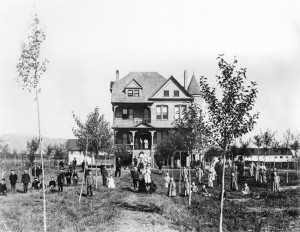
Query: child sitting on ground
(52, 184)
(35, 184)
(111, 182)
(194, 188)
(3, 188)
(204, 191)
(246, 189)
(152, 186)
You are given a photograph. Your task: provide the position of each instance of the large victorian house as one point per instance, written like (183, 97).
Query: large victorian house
(145, 105)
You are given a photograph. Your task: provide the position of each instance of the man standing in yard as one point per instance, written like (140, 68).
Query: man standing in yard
(13, 180)
(219, 171)
(90, 182)
(60, 180)
(118, 167)
(25, 180)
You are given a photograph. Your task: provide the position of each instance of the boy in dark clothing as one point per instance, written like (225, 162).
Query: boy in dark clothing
(142, 185)
(3, 188)
(90, 182)
(135, 178)
(118, 167)
(104, 175)
(61, 180)
(13, 180)
(153, 186)
(75, 177)
(25, 180)
(135, 161)
(68, 177)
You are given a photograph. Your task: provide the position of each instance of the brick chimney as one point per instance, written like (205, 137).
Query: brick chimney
(117, 75)
(185, 75)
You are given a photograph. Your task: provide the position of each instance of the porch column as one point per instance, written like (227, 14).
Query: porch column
(133, 133)
(151, 151)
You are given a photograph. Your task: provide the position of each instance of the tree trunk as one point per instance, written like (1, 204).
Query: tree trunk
(179, 183)
(222, 195)
(96, 173)
(42, 160)
(83, 169)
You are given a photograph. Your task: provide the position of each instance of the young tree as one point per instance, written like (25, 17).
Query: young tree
(244, 149)
(267, 139)
(32, 148)
(295, 146)
(275, 147)
(231, 116)
(287, 140)
(257, 141)
(30, 69)
(94, 135)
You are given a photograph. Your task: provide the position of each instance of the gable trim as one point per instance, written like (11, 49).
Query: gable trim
(171, 78)
(133, 80)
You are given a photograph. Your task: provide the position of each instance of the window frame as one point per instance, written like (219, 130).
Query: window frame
(180, 108)
(176, 91)
(166, 93)
(163, 112)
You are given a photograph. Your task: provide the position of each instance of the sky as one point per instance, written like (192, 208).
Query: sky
(87, 41)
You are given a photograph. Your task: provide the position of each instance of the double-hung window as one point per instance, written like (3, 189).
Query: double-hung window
(179, 111)
(162, 112)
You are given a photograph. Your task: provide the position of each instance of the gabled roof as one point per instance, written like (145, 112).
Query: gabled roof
(133, 85)
(72, 145)
(143, 125)
(149, 81)
(180, 87)
(194, 88)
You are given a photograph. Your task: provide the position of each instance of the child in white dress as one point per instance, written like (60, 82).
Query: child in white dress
(167, 180)
(111, 182)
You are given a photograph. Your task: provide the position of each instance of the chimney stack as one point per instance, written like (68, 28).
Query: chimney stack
(185, 75)
(117, 75)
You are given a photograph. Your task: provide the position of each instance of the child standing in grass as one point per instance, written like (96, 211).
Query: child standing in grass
(172, 188)
(199, 174)
(13, 180)
(3, 188)
(90, 182)
(135, 177)
(194, 188)
(60, 180)
(25, 180)
(167, 180)
(186, 188)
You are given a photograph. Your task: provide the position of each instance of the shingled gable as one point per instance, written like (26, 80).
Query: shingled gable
(180, 87)
(149, 81)
(194, 88)
(133, 85)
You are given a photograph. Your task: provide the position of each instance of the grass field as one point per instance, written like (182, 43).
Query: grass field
(122, 209)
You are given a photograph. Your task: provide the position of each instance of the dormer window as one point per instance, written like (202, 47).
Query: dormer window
(166, 93)
(133, 89)
(133, 92)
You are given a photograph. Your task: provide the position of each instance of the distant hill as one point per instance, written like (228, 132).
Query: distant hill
(19, 141)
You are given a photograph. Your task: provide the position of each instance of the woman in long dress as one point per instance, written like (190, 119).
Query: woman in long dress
(172, 188)
(234, 184)
(199, 174)
(167, 180)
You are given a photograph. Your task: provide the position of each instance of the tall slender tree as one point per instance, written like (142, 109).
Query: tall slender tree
(30, 69)
(257, 141)
(267, 139)
(231, 115)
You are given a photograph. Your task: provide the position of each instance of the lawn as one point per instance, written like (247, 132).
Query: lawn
(122, 209)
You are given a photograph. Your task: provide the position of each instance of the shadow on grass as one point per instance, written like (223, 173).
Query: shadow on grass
(151, 208)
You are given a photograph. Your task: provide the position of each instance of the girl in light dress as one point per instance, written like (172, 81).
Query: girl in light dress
(111, 182)
(167, 180)
(147, 177)
(210, 180)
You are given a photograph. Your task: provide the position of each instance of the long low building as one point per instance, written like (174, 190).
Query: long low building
(270, 155)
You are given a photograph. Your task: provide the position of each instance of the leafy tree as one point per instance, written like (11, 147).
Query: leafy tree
(32, 148)
(30, 69)
(295, 146)
(167, 147)
(213, 152)
(121, 151)
(96, 130)
(60, 151)
(258, 142)
(231, 116)
(194, 133)
(267, 139)
(244, 147)
(94, 135)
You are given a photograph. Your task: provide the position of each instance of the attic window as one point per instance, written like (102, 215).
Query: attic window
(166, 93)
(133, 92)
(176, 93)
